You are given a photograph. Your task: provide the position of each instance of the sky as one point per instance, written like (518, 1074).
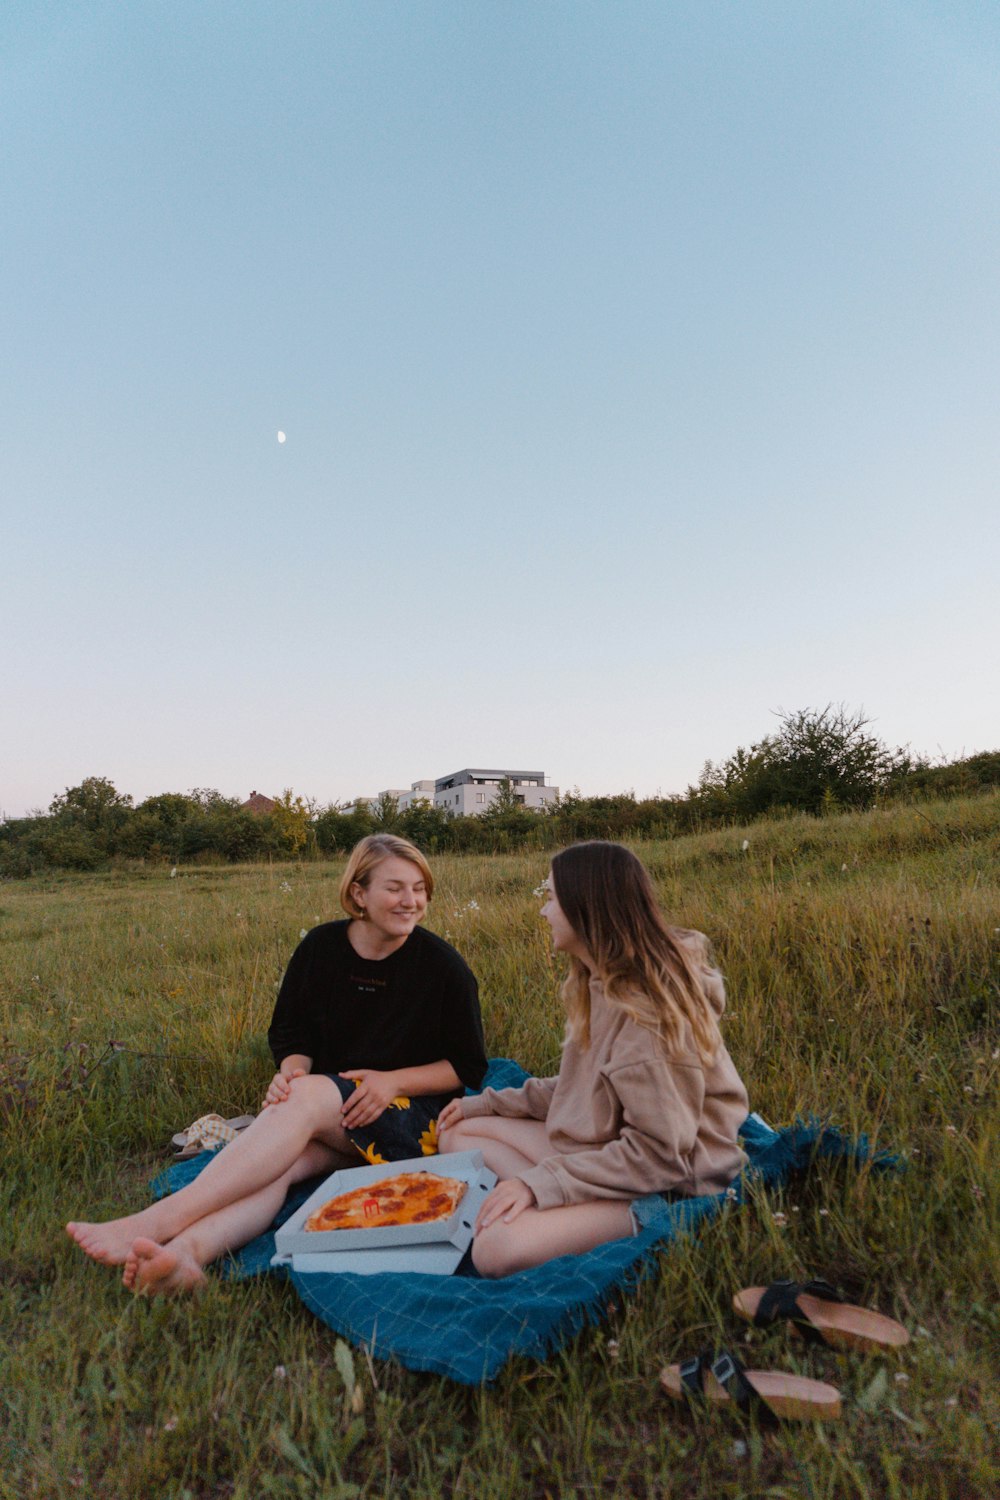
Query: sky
(638, 365)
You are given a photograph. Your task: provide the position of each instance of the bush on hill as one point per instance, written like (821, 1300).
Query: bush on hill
(817, 762)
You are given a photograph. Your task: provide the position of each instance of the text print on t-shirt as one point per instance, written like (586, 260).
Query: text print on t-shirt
(368, 986)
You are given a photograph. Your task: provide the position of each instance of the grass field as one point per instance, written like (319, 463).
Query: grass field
(862, 957)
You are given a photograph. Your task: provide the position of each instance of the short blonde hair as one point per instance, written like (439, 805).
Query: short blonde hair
(370, 853)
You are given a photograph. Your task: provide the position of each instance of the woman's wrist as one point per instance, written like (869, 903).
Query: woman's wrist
(473, 1106)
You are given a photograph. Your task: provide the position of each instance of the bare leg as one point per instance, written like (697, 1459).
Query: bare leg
(508, 1146)
(537, 1235)
(153, 1268)
(264, 1152)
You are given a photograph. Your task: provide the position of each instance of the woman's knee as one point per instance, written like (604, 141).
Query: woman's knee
(495, 1252)
(315, 1097)
(456, 1137)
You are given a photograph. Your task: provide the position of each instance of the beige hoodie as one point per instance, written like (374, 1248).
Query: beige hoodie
(623, 1119)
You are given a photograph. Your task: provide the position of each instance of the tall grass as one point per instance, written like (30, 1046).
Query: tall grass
(862, 957)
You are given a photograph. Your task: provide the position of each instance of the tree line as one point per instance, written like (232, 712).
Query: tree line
(817, 761)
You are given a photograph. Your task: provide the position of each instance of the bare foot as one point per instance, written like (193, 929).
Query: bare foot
(111, 1241)
(130, 1271)
(161, 1270)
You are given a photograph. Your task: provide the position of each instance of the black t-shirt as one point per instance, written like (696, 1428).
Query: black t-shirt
(419, 1005)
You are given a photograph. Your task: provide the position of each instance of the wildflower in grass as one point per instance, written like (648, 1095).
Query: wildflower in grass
(977, 1191)
(901, 1377)
(950, 1130)
(745, 845)
(780, 1220)
(823, 1213)
(739, 1449)
(613, 1348)
(173, 873)
(285, 888)
(303, 932)
(170, 1424)
(280, 1373)
(731, 1194)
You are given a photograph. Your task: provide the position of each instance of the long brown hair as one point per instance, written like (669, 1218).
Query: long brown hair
(656, 973)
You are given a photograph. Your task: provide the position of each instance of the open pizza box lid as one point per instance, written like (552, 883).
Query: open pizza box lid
(436, 1247)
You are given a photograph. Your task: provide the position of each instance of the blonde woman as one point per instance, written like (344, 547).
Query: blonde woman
(646, 1099)
(375, 1029)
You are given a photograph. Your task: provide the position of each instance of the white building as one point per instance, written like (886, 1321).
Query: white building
(419, 790)
(471, 791)
(467, 793)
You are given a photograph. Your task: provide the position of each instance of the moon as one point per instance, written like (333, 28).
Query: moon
(281, 437)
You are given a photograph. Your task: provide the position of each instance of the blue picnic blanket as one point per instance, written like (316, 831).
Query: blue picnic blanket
(466, 1327)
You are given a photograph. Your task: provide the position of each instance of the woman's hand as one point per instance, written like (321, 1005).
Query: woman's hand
(507, 1201)
(280, 1087)
(374, 1093)
(451, 1115)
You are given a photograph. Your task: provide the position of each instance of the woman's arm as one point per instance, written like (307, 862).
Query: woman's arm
(292, 1032)
(376, 1089)
(460, 1022)
(529, 1102)
(428, 1078)
(661, 1112)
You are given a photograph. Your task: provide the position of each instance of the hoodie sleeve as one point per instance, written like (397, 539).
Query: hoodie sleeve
(530, 1102)
(661, 1107)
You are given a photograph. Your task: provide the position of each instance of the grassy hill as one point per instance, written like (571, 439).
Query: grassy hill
(862, 957)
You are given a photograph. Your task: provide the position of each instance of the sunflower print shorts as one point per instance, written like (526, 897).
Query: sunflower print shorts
(407, 1128)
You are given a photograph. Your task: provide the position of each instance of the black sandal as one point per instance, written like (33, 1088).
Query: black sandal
(718, 1376)
(820, 1314)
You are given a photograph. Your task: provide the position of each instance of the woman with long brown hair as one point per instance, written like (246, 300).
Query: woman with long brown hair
(647, 1099)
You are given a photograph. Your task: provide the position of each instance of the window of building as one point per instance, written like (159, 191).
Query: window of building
(480, 796)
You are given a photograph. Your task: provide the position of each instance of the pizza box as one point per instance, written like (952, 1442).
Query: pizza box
(391, 1247)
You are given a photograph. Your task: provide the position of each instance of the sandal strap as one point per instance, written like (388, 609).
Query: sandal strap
(781, 1300)
(728, 1370)
(692, 1372)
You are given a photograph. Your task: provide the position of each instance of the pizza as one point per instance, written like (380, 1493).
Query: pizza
(407, 1198)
